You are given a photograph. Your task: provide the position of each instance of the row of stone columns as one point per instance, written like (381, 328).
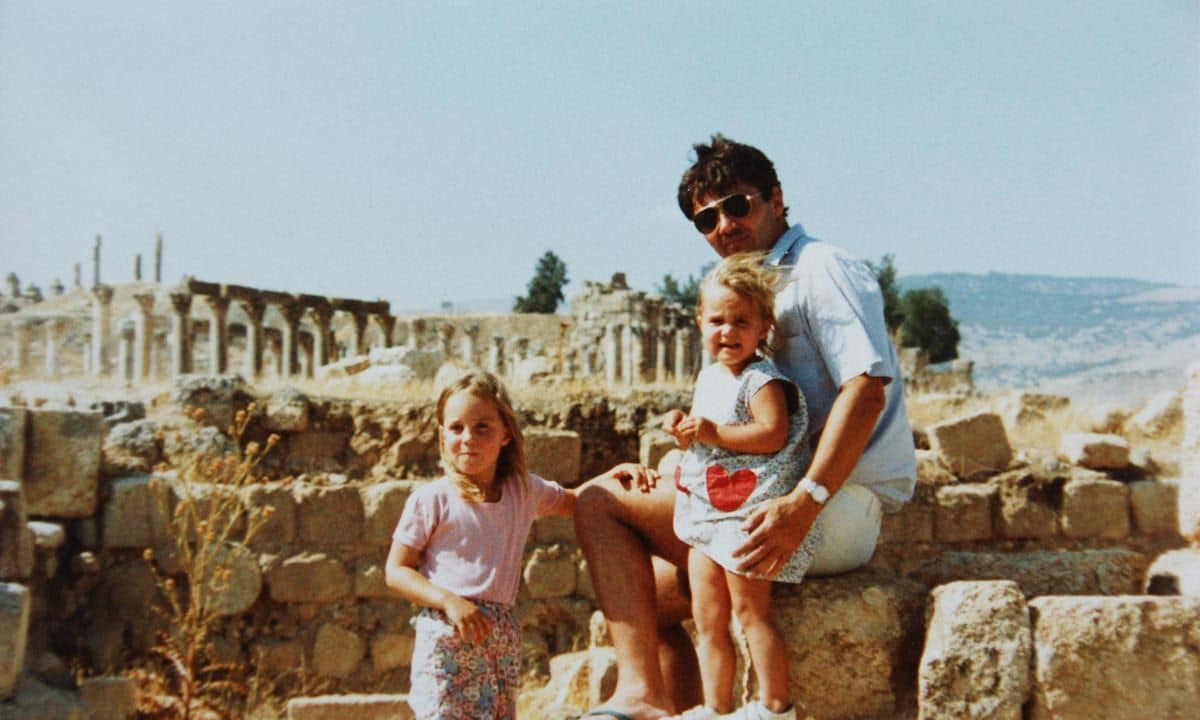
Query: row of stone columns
(628, 353)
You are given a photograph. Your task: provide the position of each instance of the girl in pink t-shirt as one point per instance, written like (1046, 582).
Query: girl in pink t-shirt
(457, 551)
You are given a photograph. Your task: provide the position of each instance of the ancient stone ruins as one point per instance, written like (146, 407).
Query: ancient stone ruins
(1048, 567)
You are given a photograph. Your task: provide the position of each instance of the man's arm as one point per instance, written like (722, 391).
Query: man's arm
(777, 527)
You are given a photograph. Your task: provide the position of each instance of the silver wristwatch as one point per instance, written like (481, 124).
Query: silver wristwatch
(818, 492)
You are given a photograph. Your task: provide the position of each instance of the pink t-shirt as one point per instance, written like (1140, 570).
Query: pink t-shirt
(474, 549)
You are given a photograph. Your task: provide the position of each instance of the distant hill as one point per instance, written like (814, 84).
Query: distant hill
(1102, 337)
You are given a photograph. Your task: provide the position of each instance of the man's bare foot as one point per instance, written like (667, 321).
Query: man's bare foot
(632, 708)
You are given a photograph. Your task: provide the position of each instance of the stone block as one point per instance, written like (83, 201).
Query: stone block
(317, 450)
(1155, 507)
(554, 454)
(653, 445)
(1095, 451)
(286, 411)
(278, 527)
(47, 536)
(1176, 572)
(1161, 416)
(972, 445)
(35, 700)
(337, 651)
(550, 573)
(16, 539)
(132, 447)
(359, 707)
(329, 515)
(913, 522)
(233, 581)
(14, 428)
(978, 647)
(15, 602)
(964, 512)
(931, 469)
(370, 580)
(554, 529)
(1027, 506)
(137, 513)
(309, 578)
(868, 624)
(62, 463)
(382, 505)
(276, 658)
(1112, 571)
(391, 650)
(1023, 409)
(110, 697)
(219, 396)
(582, 679)
(1095, 507)
(1117, 658)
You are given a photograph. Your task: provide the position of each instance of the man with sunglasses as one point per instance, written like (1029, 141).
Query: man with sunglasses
(831, 340)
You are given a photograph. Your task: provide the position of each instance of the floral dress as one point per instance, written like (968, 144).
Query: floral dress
(717, 488)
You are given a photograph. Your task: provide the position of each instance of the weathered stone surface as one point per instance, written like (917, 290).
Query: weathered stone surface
(550, 573)
(15, 602)
(278, 657)
(16, 539)
(233, 580)
(109, 697)
(337, 651)
(1112, 571)
(554, 454)
(1155, 507)
(1161, 416)
(972, 445)
(369, 579)
(1118, 658)
(582, 679)
(1176, 572)
(286, 411)
(553, 529)
(653, 445)
(309, 578)
(278, 526)
(868, 624)
(391, 650)
(1025, 408)
(220, 396)
(1094, 506)
(913, 522)
(14, 423)
(35, 700)
(964, 512)
(1026, 506)
(931, 469)
(1103, 418)
(1095, 451)
(317, 450)
(978, 646)
(329, 515)
(136, 513)
(131, 447)
(62, 463)
(382, 504)
(359, 707)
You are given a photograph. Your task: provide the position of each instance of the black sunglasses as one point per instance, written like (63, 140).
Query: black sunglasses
(734, 206)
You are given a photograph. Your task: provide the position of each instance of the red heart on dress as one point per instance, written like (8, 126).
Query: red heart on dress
(728, 492)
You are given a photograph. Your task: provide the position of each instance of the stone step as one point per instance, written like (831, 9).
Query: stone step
(359, 707)
(1109, 571)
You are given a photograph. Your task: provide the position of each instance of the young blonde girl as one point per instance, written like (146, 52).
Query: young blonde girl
(746, 441)
(457, 548)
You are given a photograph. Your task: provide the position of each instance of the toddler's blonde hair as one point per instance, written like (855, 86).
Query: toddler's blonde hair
(749, 276)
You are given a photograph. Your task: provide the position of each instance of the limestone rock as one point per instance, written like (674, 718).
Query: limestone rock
(278, 525)
(977, 653)
(287, 410)
(359, 707)
(232, 580)
(15, 601)
(370, 581)
(554, 454)
(1160, 417)
(1024, 409)
(16, 540)
(382, 504)
(1095, 451)
(1026, 505)
(309, 578)
(931, 469)
(329, 515)
(1103, 418)
(1111, 571)
(110, 697)
(964, 512)
(391, 650)
(220, 396)
(337, 651)
(34, 700)
(550, 573)
(137, 513)
(1117, 658)
(1155, 507)
(1176, 572)
(62, 463)
(131, 447)
(13, 423)
(1094, 506)
(973, 445)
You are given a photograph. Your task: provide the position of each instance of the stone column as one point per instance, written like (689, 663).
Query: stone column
(322, 317)
(14, 285)
(681, 351)
(612, 353)
(470, 333)
(181, 333)
(53, 329)
(304, 353)
(416, 338)
(445, 333)
(495, 364)
(633, 354)
(137, 267)
(96, 263)
(101, 322)
(56, 288)
(218, 334)
(158, 257)
(358, 345)
(143, 335)
(157, 363)
(255, 309)
(87, 356)
(78, 282)
(20, 343)
(386, 324)
(662, 337)
(125, 351)
(292, 313)
(400, 334)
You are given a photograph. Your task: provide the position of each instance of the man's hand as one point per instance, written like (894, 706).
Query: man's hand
(631, 474)
(776, 527)
(472, 625)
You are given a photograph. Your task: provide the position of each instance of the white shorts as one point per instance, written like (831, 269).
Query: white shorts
(852, 520)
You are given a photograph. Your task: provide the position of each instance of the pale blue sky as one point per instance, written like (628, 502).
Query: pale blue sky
(420, 152)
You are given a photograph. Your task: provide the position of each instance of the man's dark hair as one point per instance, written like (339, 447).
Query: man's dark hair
(723, 164)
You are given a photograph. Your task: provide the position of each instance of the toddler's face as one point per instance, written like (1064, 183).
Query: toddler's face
(731, 326)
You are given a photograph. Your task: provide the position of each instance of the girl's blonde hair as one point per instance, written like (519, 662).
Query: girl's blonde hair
(511, 464)
(749, 276)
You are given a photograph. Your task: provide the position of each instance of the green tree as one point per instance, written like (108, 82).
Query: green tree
(928, 325)
(545, 289)
(885, 273)
(685, 292)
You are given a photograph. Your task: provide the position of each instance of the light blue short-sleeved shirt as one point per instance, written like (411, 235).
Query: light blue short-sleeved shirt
(831, 329)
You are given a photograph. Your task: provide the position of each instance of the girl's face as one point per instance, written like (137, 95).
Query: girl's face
(473, 435)
(732, 326)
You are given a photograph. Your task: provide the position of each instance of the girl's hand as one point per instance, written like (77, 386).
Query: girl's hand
(695, 429)
(629, 474)
(671, 424)
(472, 625)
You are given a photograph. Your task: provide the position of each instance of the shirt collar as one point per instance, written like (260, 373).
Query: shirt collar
(783, 246)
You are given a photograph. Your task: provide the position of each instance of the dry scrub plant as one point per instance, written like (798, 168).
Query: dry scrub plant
(211, 526)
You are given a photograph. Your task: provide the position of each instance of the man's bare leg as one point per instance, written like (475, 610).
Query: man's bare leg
(676, 652)
(620, 531)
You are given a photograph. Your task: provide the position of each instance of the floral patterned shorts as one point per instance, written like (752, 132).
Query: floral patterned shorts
(453, 679)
